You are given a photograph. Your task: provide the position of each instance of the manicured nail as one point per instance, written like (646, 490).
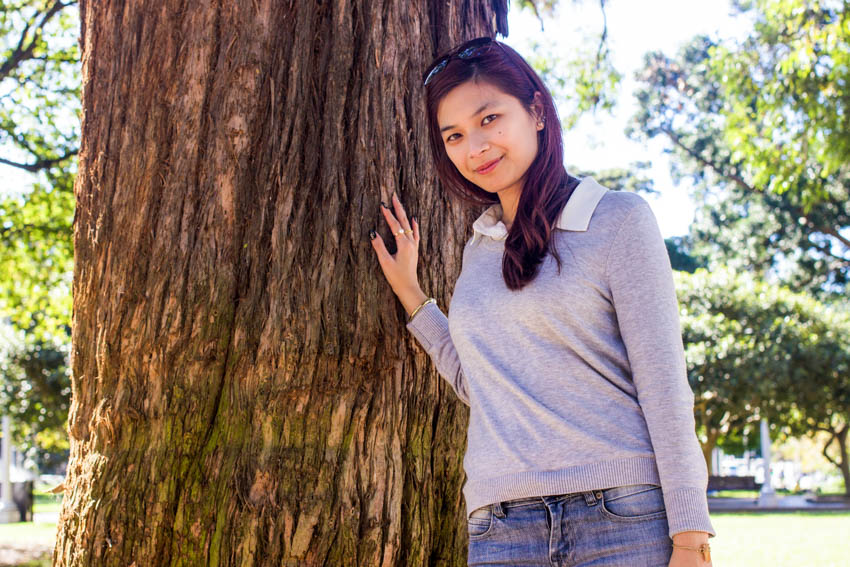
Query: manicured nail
(414, 218)
(383, 204)
(372, 234)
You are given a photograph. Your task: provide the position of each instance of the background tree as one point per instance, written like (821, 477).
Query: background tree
(35, 391)
(39, 133)
(760, 126)
(758, 350)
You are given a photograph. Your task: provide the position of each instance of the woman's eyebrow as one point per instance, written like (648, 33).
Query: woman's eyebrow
(484, 106)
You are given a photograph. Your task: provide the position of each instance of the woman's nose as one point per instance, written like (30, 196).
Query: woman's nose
(477, 145)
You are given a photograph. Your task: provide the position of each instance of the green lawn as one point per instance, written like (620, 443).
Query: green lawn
(46, 502)
(785, 539)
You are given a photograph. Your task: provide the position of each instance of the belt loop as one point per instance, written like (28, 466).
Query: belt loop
(498, 510)
(591, 496)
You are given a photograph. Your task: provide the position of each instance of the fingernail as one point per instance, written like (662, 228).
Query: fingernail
(383, 204)
(414, 218)
(372, 234)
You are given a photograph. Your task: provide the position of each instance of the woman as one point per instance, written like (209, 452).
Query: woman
(581, 447)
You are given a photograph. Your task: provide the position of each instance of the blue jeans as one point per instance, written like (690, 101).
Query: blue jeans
(622, 526)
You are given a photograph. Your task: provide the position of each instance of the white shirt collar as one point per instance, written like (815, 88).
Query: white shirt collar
(575, 215)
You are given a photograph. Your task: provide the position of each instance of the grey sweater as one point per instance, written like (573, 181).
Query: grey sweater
(578, 381)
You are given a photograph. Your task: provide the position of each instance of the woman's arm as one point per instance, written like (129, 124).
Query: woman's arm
(644, 296)
(431, 328)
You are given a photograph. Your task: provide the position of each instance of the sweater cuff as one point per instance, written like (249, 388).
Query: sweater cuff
(687, 510)
(429, 325)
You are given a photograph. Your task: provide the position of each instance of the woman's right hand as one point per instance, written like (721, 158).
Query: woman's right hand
(399, 268)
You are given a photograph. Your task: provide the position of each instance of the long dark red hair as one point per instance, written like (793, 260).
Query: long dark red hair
(547, 185)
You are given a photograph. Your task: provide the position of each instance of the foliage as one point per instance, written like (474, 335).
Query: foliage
(682, 256)
(760, 126)
(40, 91)
(39, 131)
(35, 391)
(756, 349)
(586, 81)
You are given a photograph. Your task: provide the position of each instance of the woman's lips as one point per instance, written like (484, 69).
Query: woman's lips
(487, 168)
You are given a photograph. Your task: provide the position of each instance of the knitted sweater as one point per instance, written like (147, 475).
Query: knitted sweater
(578, 381)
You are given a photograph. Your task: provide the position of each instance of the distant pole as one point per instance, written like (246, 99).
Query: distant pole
(767, 496)
(8, 511)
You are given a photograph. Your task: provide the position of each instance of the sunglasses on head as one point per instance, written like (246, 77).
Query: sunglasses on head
(469, 49)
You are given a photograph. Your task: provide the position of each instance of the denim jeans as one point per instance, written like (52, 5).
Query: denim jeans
(621, 526)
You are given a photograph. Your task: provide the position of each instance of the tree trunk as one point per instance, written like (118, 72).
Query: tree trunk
(244, 389)
(708, 447)
(844, 463)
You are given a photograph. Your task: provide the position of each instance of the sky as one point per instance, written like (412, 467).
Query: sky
(634, 28)
(598, 142)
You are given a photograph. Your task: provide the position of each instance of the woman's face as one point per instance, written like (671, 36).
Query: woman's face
(481, 124)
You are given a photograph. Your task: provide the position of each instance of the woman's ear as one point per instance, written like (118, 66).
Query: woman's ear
(537, 108)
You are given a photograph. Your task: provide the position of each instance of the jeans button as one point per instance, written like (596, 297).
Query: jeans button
(599, 494)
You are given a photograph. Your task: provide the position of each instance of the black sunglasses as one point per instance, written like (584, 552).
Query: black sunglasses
(469, 49)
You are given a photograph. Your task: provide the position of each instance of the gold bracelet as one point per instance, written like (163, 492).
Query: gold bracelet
(424, 303)
(705, 549)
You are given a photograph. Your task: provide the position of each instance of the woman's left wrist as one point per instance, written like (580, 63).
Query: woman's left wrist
(690, 538)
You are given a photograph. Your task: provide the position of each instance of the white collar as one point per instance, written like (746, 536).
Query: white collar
(575, 215)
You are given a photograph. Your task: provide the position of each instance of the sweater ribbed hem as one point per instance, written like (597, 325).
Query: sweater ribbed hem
(687, 509)
(428, 325)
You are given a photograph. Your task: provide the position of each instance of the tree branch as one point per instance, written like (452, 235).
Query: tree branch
(21, 52)
(826, 448)
(831, 231)
(604, 35)
(40, 164)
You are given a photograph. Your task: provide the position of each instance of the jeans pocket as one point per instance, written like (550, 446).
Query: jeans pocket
(480, 521)
(633, 502)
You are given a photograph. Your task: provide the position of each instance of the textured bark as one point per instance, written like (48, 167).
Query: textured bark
(244, 390)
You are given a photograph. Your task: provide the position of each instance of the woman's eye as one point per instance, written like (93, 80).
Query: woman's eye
(493, 116)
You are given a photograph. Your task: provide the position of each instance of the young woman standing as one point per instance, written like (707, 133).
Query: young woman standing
(562, 336)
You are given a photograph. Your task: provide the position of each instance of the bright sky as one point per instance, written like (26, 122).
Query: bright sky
(634, 28)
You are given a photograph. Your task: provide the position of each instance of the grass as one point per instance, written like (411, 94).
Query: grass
(782, 539)
(46, 502)
(30, 537)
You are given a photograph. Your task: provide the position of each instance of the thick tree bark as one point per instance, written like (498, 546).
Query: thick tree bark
(244, 389)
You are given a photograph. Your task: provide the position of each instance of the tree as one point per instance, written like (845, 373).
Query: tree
(755, 350)
(39, 102)
(760, 125)
(244, 389)
(39, 99)
(35, 391)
